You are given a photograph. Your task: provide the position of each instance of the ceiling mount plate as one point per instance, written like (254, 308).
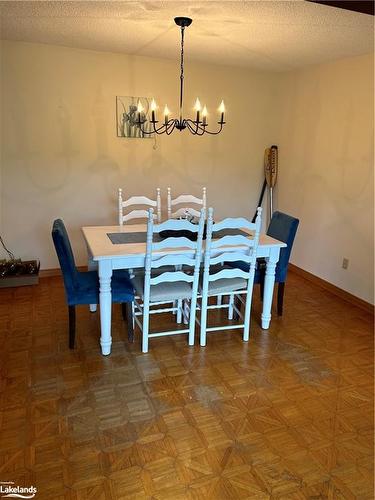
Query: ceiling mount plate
(183, 22)
(365, 7)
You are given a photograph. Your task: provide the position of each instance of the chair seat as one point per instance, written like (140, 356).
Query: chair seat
(163, 291)
(224, 285)
(86, 289)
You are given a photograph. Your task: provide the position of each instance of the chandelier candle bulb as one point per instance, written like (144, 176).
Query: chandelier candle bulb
(153, 108)
(166, 114)
(139, 110)
(222, 111)
(204, 115)
(197, 108)
(139, 107)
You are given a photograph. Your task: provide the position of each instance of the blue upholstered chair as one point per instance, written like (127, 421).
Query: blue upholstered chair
(282, 227)
(83, 287)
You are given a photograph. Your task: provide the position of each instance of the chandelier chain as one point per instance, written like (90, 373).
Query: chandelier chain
(182, 71)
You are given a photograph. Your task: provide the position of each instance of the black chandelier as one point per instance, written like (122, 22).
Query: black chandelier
(197, 126)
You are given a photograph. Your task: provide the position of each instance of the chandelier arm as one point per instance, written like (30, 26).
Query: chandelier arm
(163, 127)
(139, 124)
(194, 129)
(191, 130)
(170, 127)
(189, 126)
(217, 132)
(156, 130)
(204, 130)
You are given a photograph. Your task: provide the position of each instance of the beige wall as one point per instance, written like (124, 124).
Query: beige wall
(61, 156)
(326, 178)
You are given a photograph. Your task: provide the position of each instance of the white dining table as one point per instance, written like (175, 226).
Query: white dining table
(131, 255)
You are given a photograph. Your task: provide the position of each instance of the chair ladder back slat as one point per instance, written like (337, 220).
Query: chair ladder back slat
(232, 240)
(136, 214)
(187, 200)
(173, 243)
(138, 201)
(228, 273)
(172, 260)
(176, 225)
(170, 277)
(230, 257)
(234, 223)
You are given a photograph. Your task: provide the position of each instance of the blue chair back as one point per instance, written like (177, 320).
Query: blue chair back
(66, 258)
(283, 227)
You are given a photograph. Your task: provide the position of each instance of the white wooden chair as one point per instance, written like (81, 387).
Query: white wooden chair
(171, 287)
(140, 213)
(186, 200)
(228, 280)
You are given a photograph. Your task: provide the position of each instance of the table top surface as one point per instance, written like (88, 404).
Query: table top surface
(101, 246)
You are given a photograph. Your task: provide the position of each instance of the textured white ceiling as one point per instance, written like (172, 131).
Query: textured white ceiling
(270, 35)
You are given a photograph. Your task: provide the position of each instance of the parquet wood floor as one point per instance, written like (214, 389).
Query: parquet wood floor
(287, 416)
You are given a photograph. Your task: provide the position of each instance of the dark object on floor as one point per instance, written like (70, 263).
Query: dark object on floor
(17, 272)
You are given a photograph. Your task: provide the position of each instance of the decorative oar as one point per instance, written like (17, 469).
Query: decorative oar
(270, 172)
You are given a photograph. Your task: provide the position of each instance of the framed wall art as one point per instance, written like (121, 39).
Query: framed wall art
(127, 116)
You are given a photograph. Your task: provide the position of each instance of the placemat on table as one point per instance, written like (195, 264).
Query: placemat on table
(122, 238)
(140, 237)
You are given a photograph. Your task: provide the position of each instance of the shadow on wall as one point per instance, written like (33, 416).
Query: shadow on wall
(30, 159)
(333, 181)
(103, 163)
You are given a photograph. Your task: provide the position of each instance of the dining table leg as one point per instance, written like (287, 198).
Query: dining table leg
(269, 282)
(105, 301)
(91, 266)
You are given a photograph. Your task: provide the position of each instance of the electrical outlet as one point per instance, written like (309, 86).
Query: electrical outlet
(345, 263)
